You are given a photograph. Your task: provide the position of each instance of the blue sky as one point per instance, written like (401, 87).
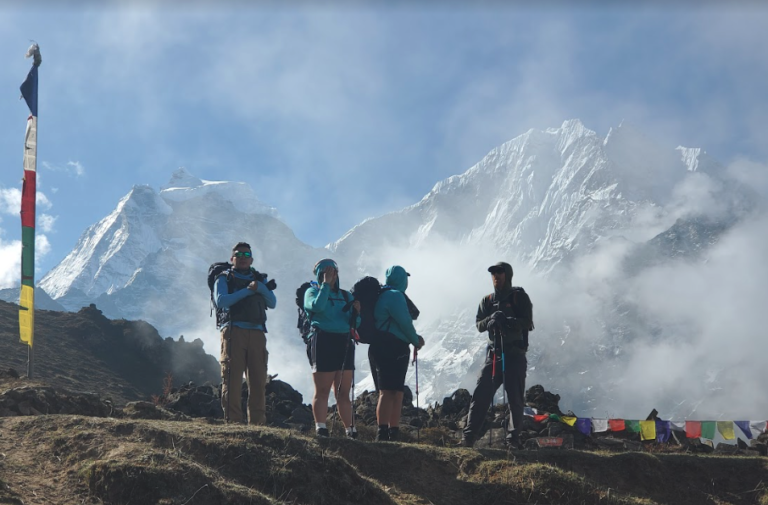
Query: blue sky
(340, 112)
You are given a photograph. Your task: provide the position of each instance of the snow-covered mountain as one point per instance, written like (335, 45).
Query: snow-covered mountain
(580, 217)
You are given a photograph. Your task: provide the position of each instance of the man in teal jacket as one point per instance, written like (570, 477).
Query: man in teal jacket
(391, 352)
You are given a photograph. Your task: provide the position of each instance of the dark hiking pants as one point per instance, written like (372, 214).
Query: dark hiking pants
(487, 385)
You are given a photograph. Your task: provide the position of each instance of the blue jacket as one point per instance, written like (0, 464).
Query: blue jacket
(391, 311)
(324, 305)
(224, 299)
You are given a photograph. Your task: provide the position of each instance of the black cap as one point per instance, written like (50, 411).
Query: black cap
(502, 265)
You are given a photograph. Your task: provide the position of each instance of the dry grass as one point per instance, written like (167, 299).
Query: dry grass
(69, 459)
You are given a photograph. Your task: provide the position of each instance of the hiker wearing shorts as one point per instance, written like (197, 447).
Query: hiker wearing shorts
(244, 297)
(331, 349)
(391, 353)
(507, 316)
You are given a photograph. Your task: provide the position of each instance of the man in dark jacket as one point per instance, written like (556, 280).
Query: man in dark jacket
(507, 316)
(243, 296)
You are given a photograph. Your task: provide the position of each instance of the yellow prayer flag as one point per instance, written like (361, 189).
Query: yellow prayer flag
(726, 429)
(569, 420)
(27, 314)
(648, 430)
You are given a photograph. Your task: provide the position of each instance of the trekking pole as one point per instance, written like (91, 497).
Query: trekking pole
(415, 363)
(493, 398)
(504, 385)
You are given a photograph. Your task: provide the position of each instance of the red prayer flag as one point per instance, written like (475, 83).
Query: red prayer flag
(693, 429)
(616, 424)
(540, 417)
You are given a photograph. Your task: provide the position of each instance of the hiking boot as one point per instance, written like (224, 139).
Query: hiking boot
(322, 433)
(513, 444)
(467, 442)
(352, 433)
(382, 435)
(393, 433)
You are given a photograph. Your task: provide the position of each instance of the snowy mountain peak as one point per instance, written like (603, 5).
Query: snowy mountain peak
(690, 157)
(185, 186)
(181, 178)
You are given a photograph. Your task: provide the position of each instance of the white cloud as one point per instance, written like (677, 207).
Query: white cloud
(73, 168)
(46, 222)
(10, 201)
(10, 263)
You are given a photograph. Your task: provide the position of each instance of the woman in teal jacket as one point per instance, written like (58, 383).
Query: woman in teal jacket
(390, 354)
(331, 349)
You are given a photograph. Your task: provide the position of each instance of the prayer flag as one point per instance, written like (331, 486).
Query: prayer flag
(693, 429)
(584, 425)
(726, 429)
(28, 194)
(708, 430)
(648, 430)
(599, 425)
(616, 424)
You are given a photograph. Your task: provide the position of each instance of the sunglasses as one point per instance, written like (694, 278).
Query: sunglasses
(497, 271)
(242, 254)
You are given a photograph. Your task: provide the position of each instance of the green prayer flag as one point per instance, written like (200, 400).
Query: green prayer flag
(708, 429)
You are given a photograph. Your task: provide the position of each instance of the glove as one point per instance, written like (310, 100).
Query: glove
(495, 321)
(271, 285)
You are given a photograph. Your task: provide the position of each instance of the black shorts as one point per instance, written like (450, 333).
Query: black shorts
(390, 363)
(331, 352)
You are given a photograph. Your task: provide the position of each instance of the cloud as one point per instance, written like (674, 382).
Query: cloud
(10, 201)
(10, 263)
(46, 222)
(73, 168)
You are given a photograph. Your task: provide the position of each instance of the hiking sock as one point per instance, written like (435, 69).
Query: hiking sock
(319, 425)
(321, 430)
(383, 434)
(352, 432)
(394, 432)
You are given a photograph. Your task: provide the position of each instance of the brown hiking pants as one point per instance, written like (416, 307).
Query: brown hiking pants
(243, 350)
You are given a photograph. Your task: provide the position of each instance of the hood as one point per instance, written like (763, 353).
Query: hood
(397, 278)
(322, 265)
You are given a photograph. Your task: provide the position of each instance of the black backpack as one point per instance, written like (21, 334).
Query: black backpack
(367, 291)
(214, 271)
(303, 322)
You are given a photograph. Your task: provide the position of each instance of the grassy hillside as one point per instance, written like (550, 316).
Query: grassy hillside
(71, 459)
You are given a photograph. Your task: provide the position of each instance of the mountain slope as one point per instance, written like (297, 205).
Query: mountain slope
(584, 220)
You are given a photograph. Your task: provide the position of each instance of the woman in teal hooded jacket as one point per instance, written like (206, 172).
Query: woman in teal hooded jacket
(390, 355)
(331, 349)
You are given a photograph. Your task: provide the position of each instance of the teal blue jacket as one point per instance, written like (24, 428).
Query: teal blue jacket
(391, 311)
(324, 306)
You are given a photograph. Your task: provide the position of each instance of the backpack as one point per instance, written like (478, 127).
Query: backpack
(214, 271)
(303, 322)
(367, 291)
